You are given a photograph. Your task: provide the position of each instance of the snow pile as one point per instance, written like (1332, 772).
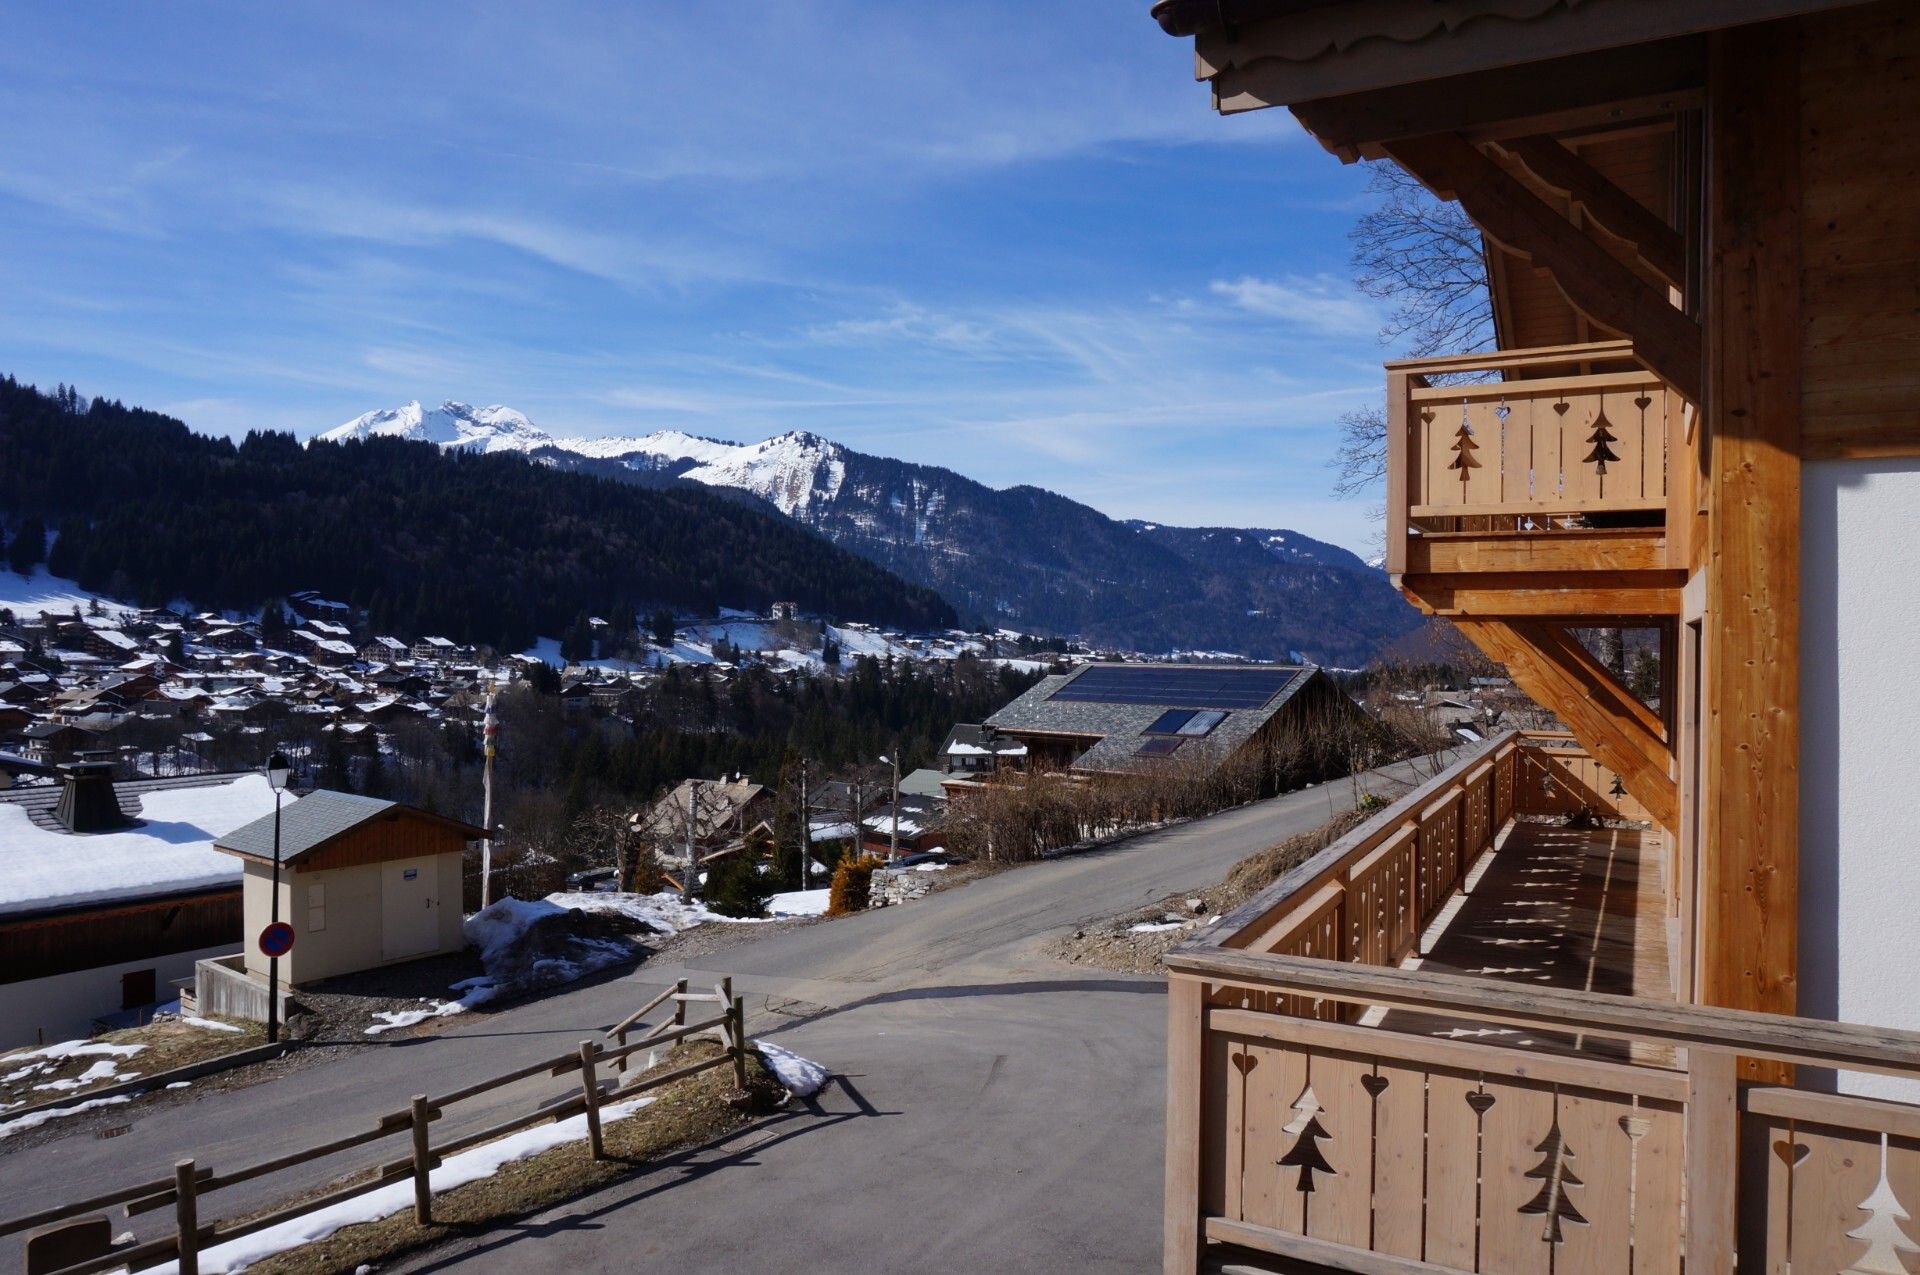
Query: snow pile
(797, 903)
(469, 1166)
(801, 1076)
(394, 1018)
(1154, 927)
(104, 1072)
(526, 945)
(209, 1023)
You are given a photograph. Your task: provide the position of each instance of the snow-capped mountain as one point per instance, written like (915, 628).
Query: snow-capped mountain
(1023, 557)
(452, 425)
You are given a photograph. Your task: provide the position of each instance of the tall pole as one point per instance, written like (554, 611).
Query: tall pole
(806, 831)
(693, 811)
(273, 962)
(488, 731)
(893, 834)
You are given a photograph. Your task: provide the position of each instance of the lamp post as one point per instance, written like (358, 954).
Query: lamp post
(279, 770)
(893, 833)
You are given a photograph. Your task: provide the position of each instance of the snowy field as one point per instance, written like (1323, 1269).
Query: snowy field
(41, 593)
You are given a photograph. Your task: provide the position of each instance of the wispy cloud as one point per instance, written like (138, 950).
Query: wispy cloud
(1331, 305)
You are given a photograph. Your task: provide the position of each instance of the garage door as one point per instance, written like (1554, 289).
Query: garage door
(409, 909)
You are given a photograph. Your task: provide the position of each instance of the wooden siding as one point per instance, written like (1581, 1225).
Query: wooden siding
(48, 945)
(1860, 280)
(399, 834)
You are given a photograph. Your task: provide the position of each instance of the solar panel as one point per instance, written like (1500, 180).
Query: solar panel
(1159, 747)
(1200, 688)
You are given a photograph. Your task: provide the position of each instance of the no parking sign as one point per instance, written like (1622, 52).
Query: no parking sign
(276, 939)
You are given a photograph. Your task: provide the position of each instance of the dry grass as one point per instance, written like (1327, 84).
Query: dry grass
(1258, 871)
(164, 1046)
(684, 1114)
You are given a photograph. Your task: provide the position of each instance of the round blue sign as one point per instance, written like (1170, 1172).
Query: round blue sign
(277, 939)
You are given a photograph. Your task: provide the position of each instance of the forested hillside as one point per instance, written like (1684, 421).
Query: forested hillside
(482, 548)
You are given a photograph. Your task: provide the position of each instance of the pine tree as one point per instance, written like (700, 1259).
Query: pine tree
(1463, 448)
(1602, 435)
(1555, 1177)
(29, 547)
(1306, 1154)
(1887, 1244)
(662, 629)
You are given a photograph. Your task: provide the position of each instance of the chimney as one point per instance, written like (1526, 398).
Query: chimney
(88, 802)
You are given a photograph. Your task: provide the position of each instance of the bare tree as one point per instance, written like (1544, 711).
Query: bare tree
(1427, 258)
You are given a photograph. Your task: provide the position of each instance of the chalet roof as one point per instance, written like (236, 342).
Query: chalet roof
(1120, 730)
(969, 739)
(320, 817)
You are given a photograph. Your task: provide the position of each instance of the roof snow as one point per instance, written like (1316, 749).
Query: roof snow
(170, 851)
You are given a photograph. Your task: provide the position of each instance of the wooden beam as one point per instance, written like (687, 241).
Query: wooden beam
(1606, 87)
(1598, 594)
(1749, 864)
(1618, 213)
(1595, 284)
(1524, 552)
(1600, 723)
(1572, 654)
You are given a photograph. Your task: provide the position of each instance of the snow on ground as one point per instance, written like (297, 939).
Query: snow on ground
(395, 1018)
(469, 1166)
(802, 1077)
(34, 1119)
(40, 593)
(170, 851)
(1154, 927)
(208, 1023)
(797, 903)
(104, 1072)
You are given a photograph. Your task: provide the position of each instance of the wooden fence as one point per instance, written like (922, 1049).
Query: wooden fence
(191, 1183)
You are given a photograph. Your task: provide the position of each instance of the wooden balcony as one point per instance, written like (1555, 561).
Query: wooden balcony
(1554, 483)
(1450, 1043)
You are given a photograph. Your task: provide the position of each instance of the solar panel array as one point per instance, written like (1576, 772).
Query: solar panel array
(1221, 688)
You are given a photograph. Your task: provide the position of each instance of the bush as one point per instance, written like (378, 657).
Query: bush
(736, 886)
(852, 879)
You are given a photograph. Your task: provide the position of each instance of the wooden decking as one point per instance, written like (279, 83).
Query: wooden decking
(1576, 908)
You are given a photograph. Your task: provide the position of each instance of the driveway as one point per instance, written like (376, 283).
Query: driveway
(996, 1109)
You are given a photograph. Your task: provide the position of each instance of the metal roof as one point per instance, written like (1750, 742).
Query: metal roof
(306, 824)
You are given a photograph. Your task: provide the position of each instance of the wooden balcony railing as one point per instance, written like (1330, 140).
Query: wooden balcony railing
(1521, 1128)
(1569, 452)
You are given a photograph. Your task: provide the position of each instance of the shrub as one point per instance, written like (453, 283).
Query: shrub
(852, 879)
(736, 886)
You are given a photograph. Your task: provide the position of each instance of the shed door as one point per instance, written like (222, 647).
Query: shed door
(409, 909)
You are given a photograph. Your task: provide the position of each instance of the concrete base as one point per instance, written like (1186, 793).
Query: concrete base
(224, 988)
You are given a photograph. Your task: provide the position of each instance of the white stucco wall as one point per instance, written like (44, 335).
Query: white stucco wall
(1860, 714)
(63, 1006)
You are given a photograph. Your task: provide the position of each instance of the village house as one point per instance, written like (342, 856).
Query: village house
(1636, 996)
(109, 893)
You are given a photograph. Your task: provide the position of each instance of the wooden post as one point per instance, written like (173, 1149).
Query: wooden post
(1713, 1159)
(1186, 1025)
(737, 1025)
(422, 1163)
(1400, 455)
(186, 1217)
(679, 1003)
(1749, 857)
(590, 1090)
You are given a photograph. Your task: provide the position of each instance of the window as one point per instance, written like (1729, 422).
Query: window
(1191, 723)
(138, 988)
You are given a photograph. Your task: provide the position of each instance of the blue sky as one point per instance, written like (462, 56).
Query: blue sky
(1012, 239)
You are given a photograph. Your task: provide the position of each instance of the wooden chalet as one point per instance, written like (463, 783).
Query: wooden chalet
(1467, 1039)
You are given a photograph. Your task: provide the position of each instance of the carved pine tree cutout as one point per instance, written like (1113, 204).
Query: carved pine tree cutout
(1556, 1177)
(1306, 1154)
(1463, 449)
(1602, 454)
(1887, 1245)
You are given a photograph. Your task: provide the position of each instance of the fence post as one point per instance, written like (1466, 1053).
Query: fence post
(679, 1002)
(590, 1088)
(1712, 1133)
(186, 1217)
(422, 1163)
(737, 1022)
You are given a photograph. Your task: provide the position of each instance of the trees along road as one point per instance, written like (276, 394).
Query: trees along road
(994, 1109)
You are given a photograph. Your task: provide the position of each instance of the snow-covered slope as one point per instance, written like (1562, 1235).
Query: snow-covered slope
(452, 425)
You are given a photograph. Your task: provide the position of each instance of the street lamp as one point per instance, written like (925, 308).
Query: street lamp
(893, 835)
(279, 770)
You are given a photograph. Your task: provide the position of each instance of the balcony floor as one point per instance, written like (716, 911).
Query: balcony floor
(1579, 908)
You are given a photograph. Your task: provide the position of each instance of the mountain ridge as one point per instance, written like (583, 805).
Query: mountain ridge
(1022, 556)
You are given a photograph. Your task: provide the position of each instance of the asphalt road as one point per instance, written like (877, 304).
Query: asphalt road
(994, 1109)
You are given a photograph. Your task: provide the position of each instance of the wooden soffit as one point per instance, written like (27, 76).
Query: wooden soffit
(1298, 55)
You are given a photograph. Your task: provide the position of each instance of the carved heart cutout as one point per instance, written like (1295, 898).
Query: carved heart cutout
(1374, 1085)
(1503, 411)
(1642, 402)
(1480, 1100)
(1245, 1062)
(1561, 408)
(1426, 414)
(1791, 1153)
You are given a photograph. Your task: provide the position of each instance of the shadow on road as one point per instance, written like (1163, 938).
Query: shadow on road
(822, 1111)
